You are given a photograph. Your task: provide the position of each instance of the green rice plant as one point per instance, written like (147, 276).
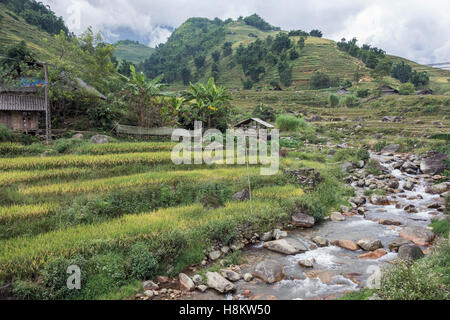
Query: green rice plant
(124, 147)
(290, 123)
(25, 212)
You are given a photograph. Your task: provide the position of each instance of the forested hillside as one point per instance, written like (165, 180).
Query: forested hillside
(131, 51)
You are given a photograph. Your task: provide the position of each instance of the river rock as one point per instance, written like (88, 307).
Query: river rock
(379, 200)
(370, 244)
(285, 246)
(392, 148)
(149, 293)
(267, 236)
(197, 279)
(77, 136)
(269, 271)
(214, 255)
(395, 244)
(216, 281)
(390, 222)
(346, 166)
(320, 241)
(337, 216)
(241, 195)
(410, 252)
(409, 185)
(230, 275)
(394, 184)
(437, 188)
(248, 277)
(100, 139)
(373, 254)
(359, 201)
(346, 244)
(278, 234)
(433, 163)
(306, 263)
(419, 235)
(149, 285)
(202, 288)
(303, 220)
(410, 208)
(186, 282)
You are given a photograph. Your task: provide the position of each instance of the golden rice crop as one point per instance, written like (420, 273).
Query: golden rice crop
(25, 255)
(277, 192)
(11, 177)
(92, 161)
(11, 148)
(136, 180)
(124, 147)
(26, 211)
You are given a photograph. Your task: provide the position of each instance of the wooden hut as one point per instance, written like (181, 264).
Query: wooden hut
(254, 123)
(388, 90)
(342, 91)
(20, 108)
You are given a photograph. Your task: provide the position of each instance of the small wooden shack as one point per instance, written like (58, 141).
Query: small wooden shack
(254, 123)
(388, 90)
(342, 91)
(20, 108)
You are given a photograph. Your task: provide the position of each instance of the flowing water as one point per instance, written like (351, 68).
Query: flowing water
(337, 270)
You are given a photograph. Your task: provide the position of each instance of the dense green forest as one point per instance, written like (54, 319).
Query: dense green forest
(37, 14)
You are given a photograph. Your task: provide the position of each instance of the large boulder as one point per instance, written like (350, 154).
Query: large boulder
(301, 219)
(216, 281)
(390, 148)
(285, 246)
(100, 139)
(373, 254)
(337, 216)
(346, 244)
(269, 271)
(437, 188)
(433, 163)
(230, 275)
(321, 241)
(395, 244)
(370, 244)
(419, 235)
(379, 200)
(186, 282)
(410, 252)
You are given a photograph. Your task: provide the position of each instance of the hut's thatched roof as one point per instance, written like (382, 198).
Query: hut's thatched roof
(258, 120)
(10, 102)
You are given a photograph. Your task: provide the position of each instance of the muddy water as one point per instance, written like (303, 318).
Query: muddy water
(336, 270)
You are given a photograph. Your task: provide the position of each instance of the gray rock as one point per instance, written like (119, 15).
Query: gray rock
(337, 216)
(241, 195)
(285, 246)
(346, 166)
(186, 282)
(410, 252)
(379, 200)
(219, 283)
(438, 188)
(433, 163)
(197, 279)
(149, 285)
(77, 136)
(230, 275)
(267, 236)
(370, 244)
(359, 201)
(301, 219)
(214, 255)
(202, 288)
(306, 263)
(321, 241)
(269, 271)
(278, 234)
(392, 148)
(149, 293)
(419, 235)
(100, 139)
(248, 277)
(409, 185)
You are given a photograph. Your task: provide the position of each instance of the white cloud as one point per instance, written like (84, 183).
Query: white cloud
(414, 29)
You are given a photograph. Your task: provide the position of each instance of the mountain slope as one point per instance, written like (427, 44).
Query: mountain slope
(132, 51)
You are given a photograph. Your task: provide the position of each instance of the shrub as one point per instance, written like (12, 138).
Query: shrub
(143, 263)
(333, 100)
(430, 109)
(362, 93)
(351, 101)
(290, 123)
(320, 80)
(425, 279)
(406, 89)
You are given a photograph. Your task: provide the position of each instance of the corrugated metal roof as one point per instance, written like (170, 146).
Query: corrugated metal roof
(265, 124)
(22, 103)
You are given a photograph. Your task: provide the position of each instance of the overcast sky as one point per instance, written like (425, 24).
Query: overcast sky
(414, 29)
